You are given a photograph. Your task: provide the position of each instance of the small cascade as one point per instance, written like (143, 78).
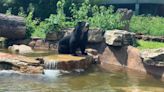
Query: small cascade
(66, 62)
(51, 65)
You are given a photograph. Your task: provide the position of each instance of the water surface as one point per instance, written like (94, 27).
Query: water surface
(94, 80)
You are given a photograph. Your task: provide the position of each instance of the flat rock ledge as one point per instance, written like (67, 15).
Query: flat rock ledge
(67, 62)
(20, 63)
(153, 57)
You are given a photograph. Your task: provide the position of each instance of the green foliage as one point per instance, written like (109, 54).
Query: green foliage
(102, 17)
(43, 8)
(80, 13)
(105, 18)
(149, 44)
(8, 12)
(53, 23)
(148, 25)
(30, 24)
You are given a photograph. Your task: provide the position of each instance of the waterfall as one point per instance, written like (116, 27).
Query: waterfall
(51, 65)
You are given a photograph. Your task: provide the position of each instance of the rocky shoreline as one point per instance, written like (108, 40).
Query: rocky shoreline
(108, 49)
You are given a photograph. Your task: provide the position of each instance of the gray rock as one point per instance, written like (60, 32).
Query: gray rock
(95, 36)
(20, 63)
(119, 38)
(12, 27)
(154, 57)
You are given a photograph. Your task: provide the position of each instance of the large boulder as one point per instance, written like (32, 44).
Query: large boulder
(122, 57)
(156, 58)
(67, 62)
(153, 60)
(127, 58)
(21, 49)
(119, 38)
(12, 27)
(20, 63)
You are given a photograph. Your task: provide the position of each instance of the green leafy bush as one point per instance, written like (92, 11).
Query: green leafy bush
(98, 16)
(105, 18)
(30, 24)
(148, 25)
(54, 23)
(80, 13)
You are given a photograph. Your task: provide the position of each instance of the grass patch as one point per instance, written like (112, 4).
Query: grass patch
(149, 44)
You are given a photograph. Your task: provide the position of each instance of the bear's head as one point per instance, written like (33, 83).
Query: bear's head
(82, 26)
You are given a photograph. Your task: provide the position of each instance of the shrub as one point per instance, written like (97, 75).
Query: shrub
(147, 25)
(30, 24)
(105, 18)
(54, 23)
(98, 16)
(80, 13)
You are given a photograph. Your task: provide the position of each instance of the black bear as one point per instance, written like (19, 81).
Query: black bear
(77, 39)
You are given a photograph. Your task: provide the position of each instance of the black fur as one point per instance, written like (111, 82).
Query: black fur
(77, 39)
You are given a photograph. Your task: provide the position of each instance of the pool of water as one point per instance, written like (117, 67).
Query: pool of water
(93, 80)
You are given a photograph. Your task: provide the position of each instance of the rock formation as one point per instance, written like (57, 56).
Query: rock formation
(12, 27)
(156, 58)
(119, 38)
(123, 57)
(20, 63)
(95, 36)
(67, 62)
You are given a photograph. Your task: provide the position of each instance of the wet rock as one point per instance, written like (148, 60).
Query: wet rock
(95, 36)
(20, 63)
(94, 54)
(156, 58)
(123, 57)
(21, 49)
(39, 44)
(119, 38)
(67, 62)
(12, 27)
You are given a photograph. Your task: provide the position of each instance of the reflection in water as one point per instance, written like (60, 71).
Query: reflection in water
(95, 80)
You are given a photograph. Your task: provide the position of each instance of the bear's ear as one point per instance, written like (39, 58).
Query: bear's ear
(79, 23)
